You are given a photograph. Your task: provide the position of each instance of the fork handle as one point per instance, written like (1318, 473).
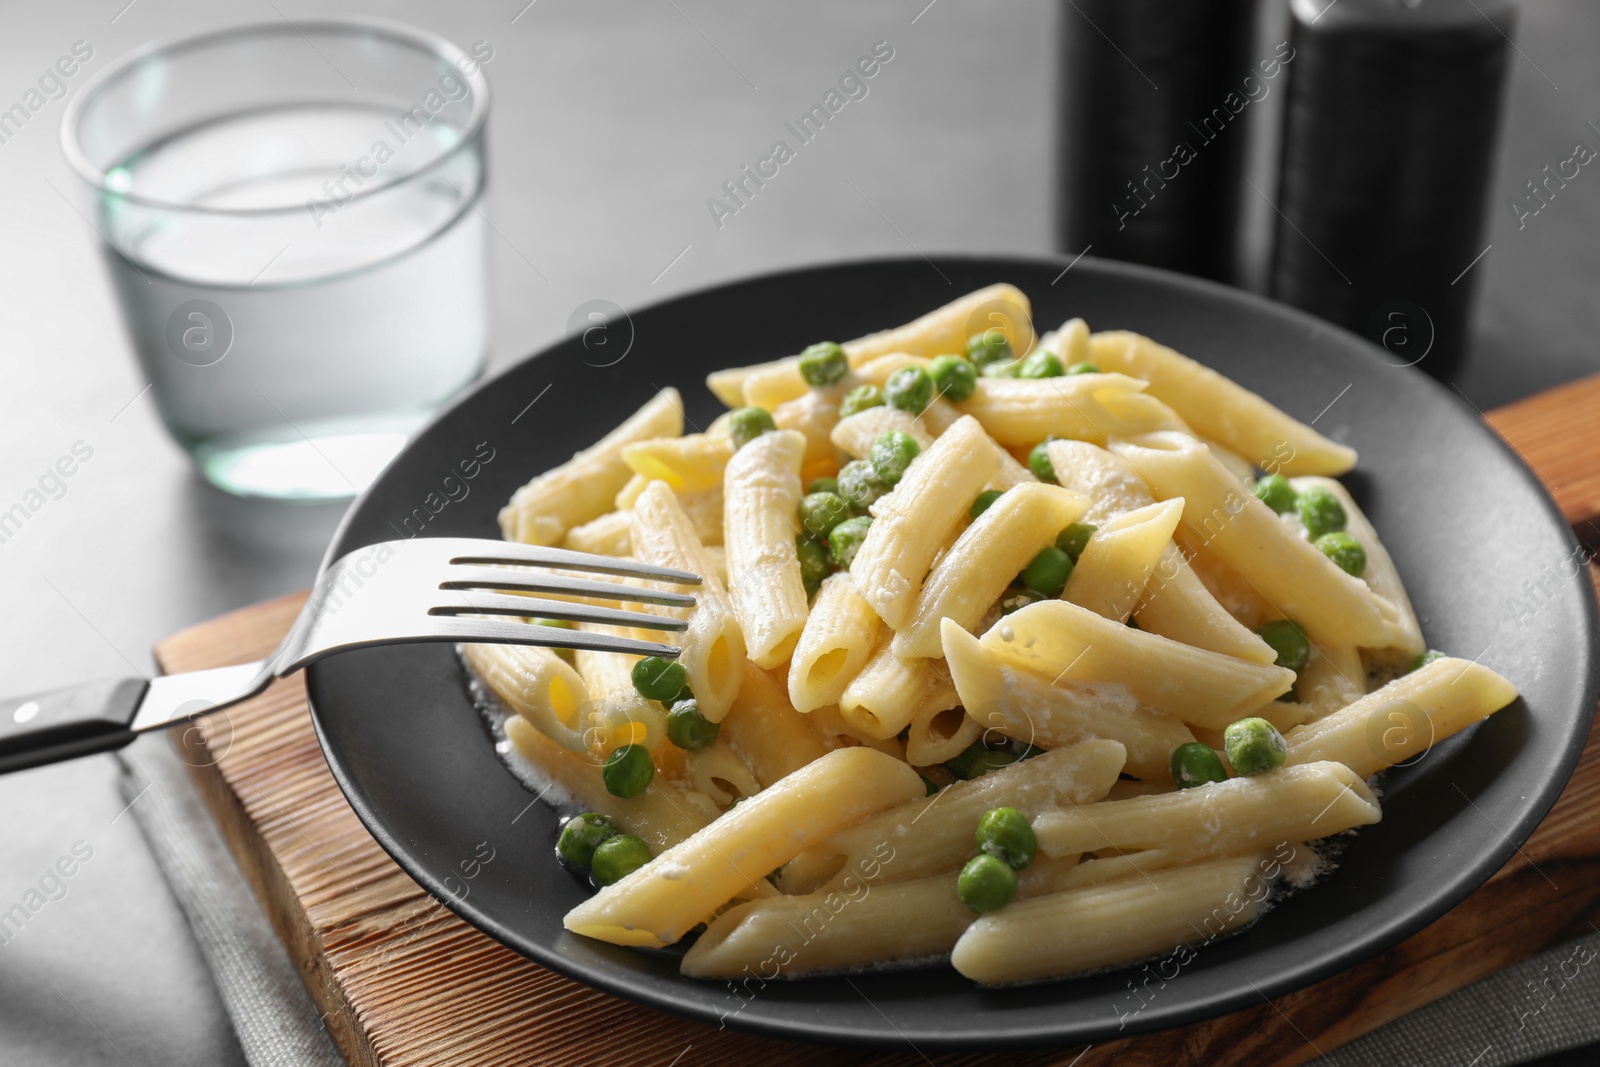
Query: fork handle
(66, 723)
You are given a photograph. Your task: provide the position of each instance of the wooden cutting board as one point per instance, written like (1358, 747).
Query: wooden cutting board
(403, 981)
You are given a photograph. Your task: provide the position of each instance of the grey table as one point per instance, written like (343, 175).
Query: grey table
(612, 125)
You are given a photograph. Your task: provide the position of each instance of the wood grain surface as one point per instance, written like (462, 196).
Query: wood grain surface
(403, 981)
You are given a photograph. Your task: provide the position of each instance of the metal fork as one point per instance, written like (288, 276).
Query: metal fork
(394, 592)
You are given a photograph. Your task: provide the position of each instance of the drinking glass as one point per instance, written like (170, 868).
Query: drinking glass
(290, 214)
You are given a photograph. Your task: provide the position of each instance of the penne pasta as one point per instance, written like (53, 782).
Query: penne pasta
(1222, 518)
(916, 520)
(1127, 920)
(1404, 718)
(539, 685)
(977, 569)
(712, 648)
(585, 487)
(692, 463)
(1220, 409)
(1000, 696)
(840, 633)
(1020, 411)
(1229, 818)
(688, 883)
(881, 700)
(1062, 642)
(1120, 558)
(761, 491)
(942, 839)
(774, 739)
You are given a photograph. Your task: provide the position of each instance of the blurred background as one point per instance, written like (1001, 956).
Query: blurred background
(612, 125)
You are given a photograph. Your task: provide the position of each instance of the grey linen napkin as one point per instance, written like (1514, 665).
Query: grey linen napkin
(1542, 1006)
(277, 1024)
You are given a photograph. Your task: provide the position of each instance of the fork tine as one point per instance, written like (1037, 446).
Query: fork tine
(520, 633)
(510, 552)
(475, 602)
(533, 582)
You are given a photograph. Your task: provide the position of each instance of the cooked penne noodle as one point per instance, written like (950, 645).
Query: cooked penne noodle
(712, 648)
(1000, 696)
(1112, 487)
(761, 491)
(936, 733)
(1221, 517)
(1059, 641)
(1119, 559)
(882, 698)
(604, 536)
(848, 927)
(1021, 411)
(539, 685)
(1332, 679)
(916, 520)
(984, 559)
(840, 633)
(585, 487)
(774, 739)
(835, 732)
(662, 816)
(718, 772)
(1381, 576)
(813, 414)
(853, 435)
(1176, 604)
(1404, 718)
(1118, 922)
(942, 839)
(1240, 815)
(692, 463)
(688, 883)
(1220, 409)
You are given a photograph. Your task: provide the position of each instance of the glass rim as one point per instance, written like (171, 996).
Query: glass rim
(428, 41)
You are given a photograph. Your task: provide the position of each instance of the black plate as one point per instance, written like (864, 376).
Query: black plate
(1466, 522)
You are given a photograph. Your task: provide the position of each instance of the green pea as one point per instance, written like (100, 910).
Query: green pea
(989, 347)
(986, 884)
(1276, 493)
(929, 786)
(688, 728)
(618, 857)
(860, 485)
(628, 771)
(954, 377)
(823, 364)
(978, 759)
(814, 564)
(1047, 573)
(891, 453)
(1017, 599)
(559, 624)
(1196, 764)
(683, 694)
(860, 399)
(1041, 364)
(985, 498)
(823, 485)
(1039, 462)
(1025, 750)
(845, 540)
(581, 834)
(658, 679)
(1083, 368)
(1286, 638)
(821, 512)
(909, 389)
(1428, 657)
(1344, 550)
(1005, 834)
(747, 424)
(1253, 745)
(1320, 512)
(1075, 538)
